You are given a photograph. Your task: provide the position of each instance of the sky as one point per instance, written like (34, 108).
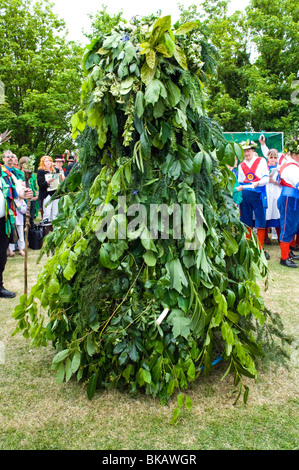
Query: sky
(76, 17)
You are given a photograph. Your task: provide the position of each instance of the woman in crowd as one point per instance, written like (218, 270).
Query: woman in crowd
(273, 193)
(45, 180)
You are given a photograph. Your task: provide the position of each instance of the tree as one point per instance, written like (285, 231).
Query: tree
(258, 58)
(41, 74)
(144, 136)
(274, 28)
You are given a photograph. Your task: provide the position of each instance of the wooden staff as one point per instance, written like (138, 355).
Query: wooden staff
(28, 174)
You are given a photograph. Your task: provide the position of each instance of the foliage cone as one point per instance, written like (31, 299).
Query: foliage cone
(145, 140)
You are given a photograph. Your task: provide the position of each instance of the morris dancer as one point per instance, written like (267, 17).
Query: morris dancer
(288, 204)
(253, 175)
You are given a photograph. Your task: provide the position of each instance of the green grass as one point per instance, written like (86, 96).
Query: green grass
(37, 413)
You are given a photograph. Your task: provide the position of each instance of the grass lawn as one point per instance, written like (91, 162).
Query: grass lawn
(37, 413)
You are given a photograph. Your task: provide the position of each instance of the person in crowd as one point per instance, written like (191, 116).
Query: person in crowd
(288, 204)
(33, 185)
(10, 189)
(45, 180)
(273, 193)
(59, 165)
(281, 156)
(66, 156)
(73, 160)
(253, 176)
(21, 208)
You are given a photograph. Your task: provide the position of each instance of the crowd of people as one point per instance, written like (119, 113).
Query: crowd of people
(17, 200)
(266, 192)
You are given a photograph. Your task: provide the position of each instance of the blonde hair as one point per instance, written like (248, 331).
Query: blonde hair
(22, 161)
(42, 163)
(272, 152)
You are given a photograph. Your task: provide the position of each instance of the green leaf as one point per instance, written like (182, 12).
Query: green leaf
(151, 59)
(91, 387)
(175, 170)
(188, 402)
(180, 400)
(174, 93)
(54, 286)
(147, 376)
(147, 73)
(163, 50)
(175, 415)
(181, 324)
(191, 371)
(61, 356)
(68, 369)
(70, 270)
(197, 162)
(176, 274)
(129, 370)
(149, 258)
(153, 91)
(139, 103)
(180, 56)
(60, 373)
(76, 361)
(186, 27)
(90, 345)
(157, 370)
(230, 245)
(162, 25)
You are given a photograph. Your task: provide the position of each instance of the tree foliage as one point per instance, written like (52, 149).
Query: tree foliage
(258, 52)
(143, 134)
(41, 74)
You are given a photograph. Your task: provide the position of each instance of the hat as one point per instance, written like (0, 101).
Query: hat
(59, 158)
(248, 144)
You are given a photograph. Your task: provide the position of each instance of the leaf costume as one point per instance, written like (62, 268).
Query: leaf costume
(144, 139)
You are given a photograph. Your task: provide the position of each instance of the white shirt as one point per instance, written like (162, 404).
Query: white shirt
(290, 174)
(262, 171)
